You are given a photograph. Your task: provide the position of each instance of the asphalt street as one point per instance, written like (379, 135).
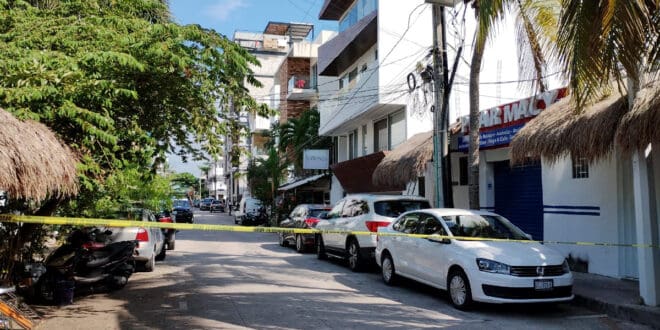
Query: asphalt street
(220, 280)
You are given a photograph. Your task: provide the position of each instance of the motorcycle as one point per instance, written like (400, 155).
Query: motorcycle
(84, 260)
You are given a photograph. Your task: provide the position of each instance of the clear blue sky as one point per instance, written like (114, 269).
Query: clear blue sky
(227, 16)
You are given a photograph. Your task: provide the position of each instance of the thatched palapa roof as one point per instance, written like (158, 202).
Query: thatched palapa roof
(558, 131)
(406, 162)
(34, 164)
(639, 127)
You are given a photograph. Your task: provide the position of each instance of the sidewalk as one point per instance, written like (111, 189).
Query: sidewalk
(617, 298)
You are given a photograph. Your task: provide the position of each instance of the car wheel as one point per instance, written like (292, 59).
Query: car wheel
(355, 262)
(320, 248)
(388, 271)
(151, 264)
(460, 293)
(117, 282)
(300, 245)
(162, 254)
(170, 243)
(282, 241)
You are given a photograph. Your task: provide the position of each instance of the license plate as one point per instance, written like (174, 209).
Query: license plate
(543, 285)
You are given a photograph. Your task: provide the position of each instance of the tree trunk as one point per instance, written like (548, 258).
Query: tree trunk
(473, 156)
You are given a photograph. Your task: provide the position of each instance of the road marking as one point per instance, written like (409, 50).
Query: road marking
(183, 305)
(580, 317)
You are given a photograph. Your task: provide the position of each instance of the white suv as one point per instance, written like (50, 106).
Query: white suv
(360, 213)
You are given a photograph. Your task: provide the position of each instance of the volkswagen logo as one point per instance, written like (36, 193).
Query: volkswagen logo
(540, 271)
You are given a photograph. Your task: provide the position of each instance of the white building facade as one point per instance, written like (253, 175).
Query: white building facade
(364, 99)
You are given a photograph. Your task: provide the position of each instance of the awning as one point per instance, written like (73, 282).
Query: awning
(301, 182)
(340, 52)
(355, 174)
(406, 162)
(295, 30)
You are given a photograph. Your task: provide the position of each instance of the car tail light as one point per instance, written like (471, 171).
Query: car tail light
(373, 225)
(165, 219)
(311, 222)
(142, 235)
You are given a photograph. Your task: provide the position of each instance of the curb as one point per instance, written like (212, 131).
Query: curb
(649, 316)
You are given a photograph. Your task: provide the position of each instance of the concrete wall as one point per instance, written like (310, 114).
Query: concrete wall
(599, 190)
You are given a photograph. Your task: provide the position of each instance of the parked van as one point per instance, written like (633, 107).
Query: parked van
(248, 205)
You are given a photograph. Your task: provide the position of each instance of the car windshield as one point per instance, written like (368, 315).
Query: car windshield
(316, 212)
(207, 200)
(484, 226)
(181, 203)
(394, 208)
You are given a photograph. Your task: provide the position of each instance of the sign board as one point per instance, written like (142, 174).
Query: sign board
(316, 159)
(500, 124)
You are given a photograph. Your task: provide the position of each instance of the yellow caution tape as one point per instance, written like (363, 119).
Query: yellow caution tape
(88, 222)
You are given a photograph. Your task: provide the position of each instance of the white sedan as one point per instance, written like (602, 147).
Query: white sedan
(485, 271)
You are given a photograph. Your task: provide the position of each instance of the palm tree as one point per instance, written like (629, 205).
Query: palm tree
(301, 133)
(535, 26)
(597, 39)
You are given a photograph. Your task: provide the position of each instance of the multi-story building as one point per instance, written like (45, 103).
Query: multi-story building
(296, 81)
(215, 179)
(271, 47)
(365, 101)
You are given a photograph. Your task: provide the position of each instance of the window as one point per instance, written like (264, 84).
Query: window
(394, 208)
(354, 208)
(314, 77)
(364, 140)
(407, 224)
(342, 81)
(360, 9)
(353, 145)
(429, 225)
(397, 129)
(580, 167)
(463, 171)
(352, 77)
(421, 186)
(380, 135)
(390, 132)
(336, 211)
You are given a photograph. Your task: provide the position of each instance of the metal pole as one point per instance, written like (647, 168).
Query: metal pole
(438, 131)
(448, 193)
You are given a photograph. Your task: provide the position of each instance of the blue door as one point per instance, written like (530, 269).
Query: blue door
(519, 196)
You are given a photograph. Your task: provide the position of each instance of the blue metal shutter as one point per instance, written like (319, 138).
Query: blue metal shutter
(519, 196)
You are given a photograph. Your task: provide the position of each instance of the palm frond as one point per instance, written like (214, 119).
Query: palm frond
(536, 30)
(597, 38)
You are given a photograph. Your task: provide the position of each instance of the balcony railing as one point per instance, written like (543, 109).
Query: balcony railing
(301, 88)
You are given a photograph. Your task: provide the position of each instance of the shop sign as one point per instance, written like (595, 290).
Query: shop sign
(316, 159)
(501, 123)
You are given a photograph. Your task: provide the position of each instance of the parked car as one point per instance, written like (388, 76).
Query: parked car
(248, 210)
(169, 235)
(302, 216)
(196, 203)
(205, 204)
(217, 206)
(362, 212)
(182, 212)
(485, 271)
(151, 243)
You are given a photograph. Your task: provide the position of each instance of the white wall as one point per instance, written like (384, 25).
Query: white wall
(336, 191)
(600, 189)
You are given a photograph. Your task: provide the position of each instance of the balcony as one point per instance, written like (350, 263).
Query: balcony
(300, 88)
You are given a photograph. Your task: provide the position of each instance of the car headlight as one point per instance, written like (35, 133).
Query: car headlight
(491, 266)
(566, 267)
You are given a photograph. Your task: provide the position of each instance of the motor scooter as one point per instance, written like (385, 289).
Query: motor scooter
(85, 262)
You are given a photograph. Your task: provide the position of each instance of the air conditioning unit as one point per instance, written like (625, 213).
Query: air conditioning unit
(445, 3)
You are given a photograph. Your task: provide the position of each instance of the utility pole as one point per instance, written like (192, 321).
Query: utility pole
(441, 165)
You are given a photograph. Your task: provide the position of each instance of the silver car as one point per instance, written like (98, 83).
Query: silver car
(151, 246)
